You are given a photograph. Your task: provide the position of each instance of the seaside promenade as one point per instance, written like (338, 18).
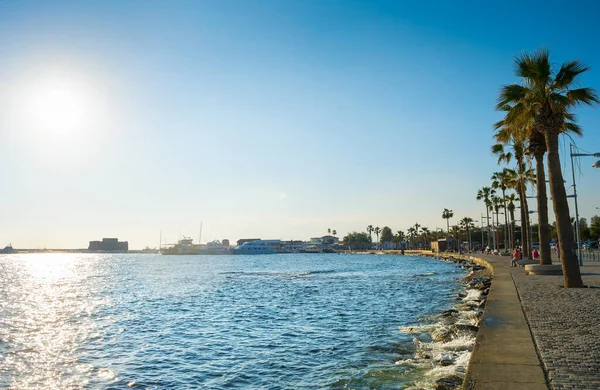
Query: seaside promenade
(536, 334)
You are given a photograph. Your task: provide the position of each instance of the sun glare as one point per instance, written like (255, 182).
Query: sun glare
(60, 108)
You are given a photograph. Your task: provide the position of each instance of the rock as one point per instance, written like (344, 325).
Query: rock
(448, 383)
(446, 362)
(444, 335)
(448, 313)
(466, 328)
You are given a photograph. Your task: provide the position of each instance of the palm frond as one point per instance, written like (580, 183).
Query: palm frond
(567, 73)
(534, 68)
(510, 94)
(572, 127)
(580, 96)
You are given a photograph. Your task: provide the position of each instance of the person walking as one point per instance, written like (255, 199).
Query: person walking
(516, 257)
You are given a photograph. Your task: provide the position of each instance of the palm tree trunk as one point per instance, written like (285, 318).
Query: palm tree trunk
(487, 211)
(566, 240)
(505, 220)
(512, 227)
(525, 242)
(497, 233)
(542, 203)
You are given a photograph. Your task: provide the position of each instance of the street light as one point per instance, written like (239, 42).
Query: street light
(595, 165)
(469, 228)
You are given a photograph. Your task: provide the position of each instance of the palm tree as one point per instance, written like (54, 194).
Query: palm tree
(411, 234)
(401, 235)
(417, 226)
(426, 232)
(377, 230)
(500, 180)
(447, 214)
(545, 97)
(520, 176)
(511, 199)
(370, 231)
(497, 205)
(329, 231)
(467, 222)
(334, 233)
(455, 230)
(484, 194)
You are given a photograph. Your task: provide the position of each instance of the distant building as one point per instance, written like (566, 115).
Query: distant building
(225, 242)
(441, 245)
(108, 245)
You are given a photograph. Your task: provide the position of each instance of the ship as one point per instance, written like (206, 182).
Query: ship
(254, 248)
(186, 246)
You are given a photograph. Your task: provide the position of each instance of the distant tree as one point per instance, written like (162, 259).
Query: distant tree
(356, 240)
(329, 231)
(386, 235)
(396, 239)
(447, 214)
(377, 230)
(467, 224)
(485, 194)
(595, 227)
(401, 234)
(425, 235)
(370, 231)
(334, 233)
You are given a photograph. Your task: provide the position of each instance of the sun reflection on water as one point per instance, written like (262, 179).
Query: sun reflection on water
(45, 316)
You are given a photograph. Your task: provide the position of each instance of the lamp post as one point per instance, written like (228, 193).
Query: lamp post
(497, 229)
(488, 222)
(595, 165)
(469, 227)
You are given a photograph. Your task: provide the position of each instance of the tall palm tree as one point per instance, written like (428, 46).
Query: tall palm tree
(511, 199)
(377, 230)
(545, 96)
(500, 180)
(447, 214)
(484, 194)
(334, 232)
(467, 223)
(521, 175)
(370, 231)
(497, 205)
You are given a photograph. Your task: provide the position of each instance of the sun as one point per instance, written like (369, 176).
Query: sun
(59, 108)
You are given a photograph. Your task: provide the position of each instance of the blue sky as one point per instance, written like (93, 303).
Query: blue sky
(272, 119)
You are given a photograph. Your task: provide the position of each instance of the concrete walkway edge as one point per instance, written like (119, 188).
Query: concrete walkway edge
(504, 355)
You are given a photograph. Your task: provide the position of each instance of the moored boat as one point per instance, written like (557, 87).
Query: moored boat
(254, 248)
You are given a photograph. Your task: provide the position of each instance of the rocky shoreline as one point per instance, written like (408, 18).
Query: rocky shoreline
(443, 345)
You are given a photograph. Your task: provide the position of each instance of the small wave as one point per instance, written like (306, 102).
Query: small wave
(328, 271)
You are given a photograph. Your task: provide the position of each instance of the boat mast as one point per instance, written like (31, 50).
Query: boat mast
(200, 234)
(160, 241)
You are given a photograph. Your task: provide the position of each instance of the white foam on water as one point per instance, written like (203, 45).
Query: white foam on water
(473, 295)
(468, 318)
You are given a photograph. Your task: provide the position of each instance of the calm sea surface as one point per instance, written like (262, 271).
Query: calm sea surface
(217, 322)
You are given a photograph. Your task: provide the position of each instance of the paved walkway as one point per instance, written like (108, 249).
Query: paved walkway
(561, 325)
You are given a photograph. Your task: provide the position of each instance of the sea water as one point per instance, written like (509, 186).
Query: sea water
(289, 321)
